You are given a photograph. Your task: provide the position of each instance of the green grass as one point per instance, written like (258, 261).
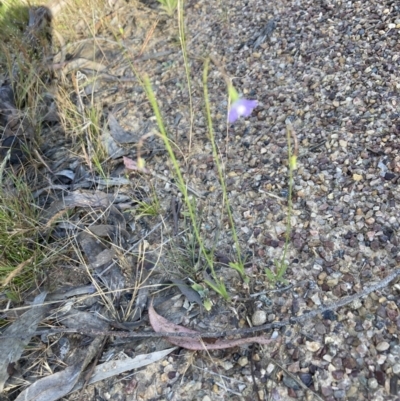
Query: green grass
(169, 6)
(14, 17)
(20, 250)
(151, 208)
(19, 247)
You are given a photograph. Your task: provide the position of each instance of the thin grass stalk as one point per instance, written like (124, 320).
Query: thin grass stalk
(283, 264)
(182, 38)
(239, 265)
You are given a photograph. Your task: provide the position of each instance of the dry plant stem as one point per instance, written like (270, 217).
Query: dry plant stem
(86, 125)
(182, 39)
(148, 36)
(17, 270)
(93, 365)
(292, 321)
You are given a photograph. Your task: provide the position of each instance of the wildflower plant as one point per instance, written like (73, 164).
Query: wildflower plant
(236, 110)
(239, 107)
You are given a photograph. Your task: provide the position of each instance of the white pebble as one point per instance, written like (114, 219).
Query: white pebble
(259, 317)
(383, 346)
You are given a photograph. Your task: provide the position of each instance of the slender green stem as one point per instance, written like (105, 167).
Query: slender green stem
(238, 266)
(283, 265)
(182, 39)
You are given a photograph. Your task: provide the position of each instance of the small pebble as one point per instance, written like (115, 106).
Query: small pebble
(259, 318)
(243, 361)
(383, 346)
(339, 394)
(226, 365)
(372, 383)
(396, 368)
(291, 383)
(313, 346)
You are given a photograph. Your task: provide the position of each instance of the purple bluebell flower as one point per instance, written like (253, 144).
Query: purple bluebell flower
(241, 107)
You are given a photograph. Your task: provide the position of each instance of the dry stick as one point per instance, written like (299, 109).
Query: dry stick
(93, 365)
(148, 36)
(294, 320)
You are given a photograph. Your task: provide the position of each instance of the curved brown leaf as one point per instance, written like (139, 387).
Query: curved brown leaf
(161, 325)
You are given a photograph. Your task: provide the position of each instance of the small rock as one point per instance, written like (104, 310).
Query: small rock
(306, 378)
(352, 391)
(313, 346)
(338, 375)
(290, 383)
(396, 368)
(171, 375)
(332, 281)
(315, 299)
(373, 383)
(326, 391)
(294, 367)
(259, 318)
(226, 365)
(270, 368)
(380, 377)
(382, 346)
(243, 361)
(339, 394)
(389, 176)
(320, 328)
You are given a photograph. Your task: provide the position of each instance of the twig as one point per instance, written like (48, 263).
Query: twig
(93, 365)
(222, 334)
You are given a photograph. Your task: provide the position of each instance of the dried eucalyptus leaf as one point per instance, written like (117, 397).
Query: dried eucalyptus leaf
(17, 336)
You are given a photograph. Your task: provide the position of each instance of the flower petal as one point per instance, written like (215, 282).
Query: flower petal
(233, 115)
(242, 107)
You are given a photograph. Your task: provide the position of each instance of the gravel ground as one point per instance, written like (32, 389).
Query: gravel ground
(332, 68)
